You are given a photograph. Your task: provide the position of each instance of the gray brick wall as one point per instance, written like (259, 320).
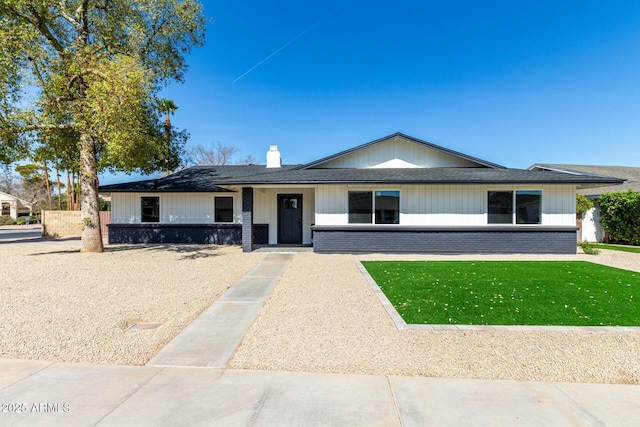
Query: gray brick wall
(490, 240)
(247, 219)
(218, 234)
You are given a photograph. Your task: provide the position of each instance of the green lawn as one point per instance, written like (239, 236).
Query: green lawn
(561, 293)
(623, 248)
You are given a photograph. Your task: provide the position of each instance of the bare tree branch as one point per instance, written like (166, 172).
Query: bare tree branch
(216, 155)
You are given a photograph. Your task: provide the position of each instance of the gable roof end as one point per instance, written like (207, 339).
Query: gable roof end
(476, 160)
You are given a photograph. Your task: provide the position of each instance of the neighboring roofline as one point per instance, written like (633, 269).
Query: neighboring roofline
(565, 170)
(16, 197)
(409, 138)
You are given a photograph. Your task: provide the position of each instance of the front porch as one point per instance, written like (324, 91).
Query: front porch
(277, 217)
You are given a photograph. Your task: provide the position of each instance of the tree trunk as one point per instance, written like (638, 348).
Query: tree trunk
(58, 181)
(46, 180)
(167, 134)
(89, 205)
(74, 195)
(69, 205)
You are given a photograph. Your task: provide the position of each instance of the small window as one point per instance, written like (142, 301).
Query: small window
(360, 207)
(387, 207)
(150, 209)
(224, 209)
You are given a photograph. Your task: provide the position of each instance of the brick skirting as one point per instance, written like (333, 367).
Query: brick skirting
(218, 234)
(445, 240)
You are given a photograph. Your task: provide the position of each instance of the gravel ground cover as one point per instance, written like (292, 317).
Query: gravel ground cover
(61, 305)
(323, 317)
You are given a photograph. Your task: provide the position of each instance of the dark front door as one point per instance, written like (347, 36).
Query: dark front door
(290, 218)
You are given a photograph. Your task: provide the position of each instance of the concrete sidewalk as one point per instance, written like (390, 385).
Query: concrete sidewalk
(36, 393)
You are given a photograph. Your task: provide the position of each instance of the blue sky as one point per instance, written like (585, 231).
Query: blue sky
(511, 82)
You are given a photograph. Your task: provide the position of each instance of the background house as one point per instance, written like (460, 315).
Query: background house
(13, 206)
(592, 229)
(394, 194)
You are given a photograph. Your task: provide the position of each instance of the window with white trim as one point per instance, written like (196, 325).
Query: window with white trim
(514, 207)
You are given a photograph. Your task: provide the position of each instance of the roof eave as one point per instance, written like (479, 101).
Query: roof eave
(407, 181)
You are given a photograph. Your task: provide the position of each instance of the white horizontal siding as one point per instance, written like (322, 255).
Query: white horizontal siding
(175, 208)
(425, 205)
(397, 151)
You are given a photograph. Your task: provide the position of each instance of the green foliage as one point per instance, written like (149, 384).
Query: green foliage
(582, 204)
(561, 293)
(621, 216)
(7, 220)
(104, 205)
(93, 67)
(589, 248)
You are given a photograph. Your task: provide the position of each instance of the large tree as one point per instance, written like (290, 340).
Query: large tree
(88, 72)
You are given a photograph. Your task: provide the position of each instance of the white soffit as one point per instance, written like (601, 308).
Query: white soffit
(395, 163)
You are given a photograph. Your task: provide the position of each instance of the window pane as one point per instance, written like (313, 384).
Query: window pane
(387, 207)
(528, 207)
(291, 203)
(360, 207)
(150, 209)
(500, 207)
(224, 209)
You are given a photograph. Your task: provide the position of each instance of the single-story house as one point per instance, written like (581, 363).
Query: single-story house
(592, 229)
(13, 206)
(395, 194)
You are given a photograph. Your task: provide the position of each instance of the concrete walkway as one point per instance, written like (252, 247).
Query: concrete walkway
(211, 339)
(186, 385)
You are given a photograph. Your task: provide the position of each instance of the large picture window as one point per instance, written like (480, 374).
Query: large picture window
(223, 209)
(382, 206)
(150, 209)
(519, 207)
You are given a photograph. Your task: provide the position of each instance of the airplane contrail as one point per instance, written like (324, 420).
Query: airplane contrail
(291, 41)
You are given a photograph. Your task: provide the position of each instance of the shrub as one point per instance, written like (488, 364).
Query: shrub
(621, 216)
(7, 220)
(582, 204)
(589, 248)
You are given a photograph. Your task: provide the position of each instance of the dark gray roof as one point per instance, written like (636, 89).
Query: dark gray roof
(194, 179)
(210, 178)
(629, 175)
(476, 160)
(417, 176)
